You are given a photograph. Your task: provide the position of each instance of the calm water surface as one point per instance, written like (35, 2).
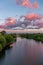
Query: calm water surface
(24, 52)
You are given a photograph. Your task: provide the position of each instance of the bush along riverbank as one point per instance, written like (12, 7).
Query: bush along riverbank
(6, 39)
(37, 37)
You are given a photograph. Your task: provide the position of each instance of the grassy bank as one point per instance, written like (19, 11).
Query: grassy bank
(37, 37)
(6, 39)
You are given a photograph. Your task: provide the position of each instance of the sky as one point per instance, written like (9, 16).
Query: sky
(17, 8)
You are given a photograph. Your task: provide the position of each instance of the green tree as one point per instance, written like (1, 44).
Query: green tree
(0, 47)
(3, 32)
(2, 41)
(9, 38)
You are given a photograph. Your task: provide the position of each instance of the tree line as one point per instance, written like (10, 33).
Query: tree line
(6, 39)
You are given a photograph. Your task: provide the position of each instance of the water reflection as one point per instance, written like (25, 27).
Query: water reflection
(24, 52)
(2, 55)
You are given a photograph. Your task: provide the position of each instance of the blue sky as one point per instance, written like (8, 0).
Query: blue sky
(9, 8)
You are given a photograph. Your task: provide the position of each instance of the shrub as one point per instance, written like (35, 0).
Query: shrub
(3, 32)
(0, 47)
(9, 38)
(2, 40)
(41, 39)
(14, 35)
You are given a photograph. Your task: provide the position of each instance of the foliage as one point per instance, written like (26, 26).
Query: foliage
(37, 37)
(2, 40)
(6, 39)
(0, 47)
(9, 38)
(3, 32)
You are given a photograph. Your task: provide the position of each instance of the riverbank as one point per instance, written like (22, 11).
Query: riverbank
(24, 52)
(37, 37)
(6, 39)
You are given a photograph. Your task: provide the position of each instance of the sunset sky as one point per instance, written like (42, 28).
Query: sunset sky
(17, 8)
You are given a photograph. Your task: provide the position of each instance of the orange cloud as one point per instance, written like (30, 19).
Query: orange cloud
(10, 19)
(30, 16)
(33, 16)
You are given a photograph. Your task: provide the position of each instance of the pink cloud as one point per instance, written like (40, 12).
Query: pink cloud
(32, 16)
(27, 3)
(2, 26)
(41, 23)
(35, 4)
(10, 20)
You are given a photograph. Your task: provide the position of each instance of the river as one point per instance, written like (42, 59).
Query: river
(24, 52)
